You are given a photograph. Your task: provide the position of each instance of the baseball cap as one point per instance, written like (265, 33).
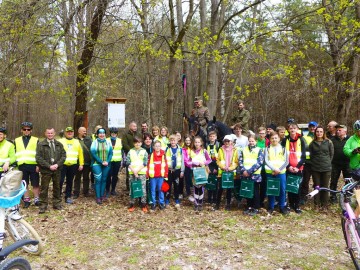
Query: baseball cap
(69, 129)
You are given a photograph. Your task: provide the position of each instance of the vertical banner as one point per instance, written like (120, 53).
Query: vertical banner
(116, 113)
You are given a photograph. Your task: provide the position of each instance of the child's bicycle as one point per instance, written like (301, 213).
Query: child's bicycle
(18, 263)
(15, 225)
(350, 222)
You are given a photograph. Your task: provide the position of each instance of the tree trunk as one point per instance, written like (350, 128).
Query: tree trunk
(81, 92)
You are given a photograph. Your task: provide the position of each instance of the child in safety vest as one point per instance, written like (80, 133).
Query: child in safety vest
(157, 171)
(163, 138)
(137, 159)
(251, 159)
(227, 162)
(276, 160)
(213, 149)
(196, 158)
(175, 161)
(188, 144)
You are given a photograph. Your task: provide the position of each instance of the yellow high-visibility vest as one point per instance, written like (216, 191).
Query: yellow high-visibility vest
(179, 157)
(73, 151)
(276, 159)
(250, 158)
(152, 166)
(137, 160)
(26, 155)
(117, 149)
(221, 160)
(5, 149)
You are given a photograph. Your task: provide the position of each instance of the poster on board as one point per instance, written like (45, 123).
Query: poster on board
(116, 113)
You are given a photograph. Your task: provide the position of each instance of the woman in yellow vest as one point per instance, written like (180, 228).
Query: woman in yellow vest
(276, 161)
(137, 160)
(115, 161)
(251, 159)
(198, 157)
(227, 162)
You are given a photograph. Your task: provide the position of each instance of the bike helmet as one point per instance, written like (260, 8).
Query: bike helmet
(3, 130)
(291, 121)
(356, 125)
(113, 130)
(27, 124)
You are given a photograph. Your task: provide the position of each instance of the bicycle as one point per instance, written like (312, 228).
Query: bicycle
(18, 263)
(350, 223)
(15, 225)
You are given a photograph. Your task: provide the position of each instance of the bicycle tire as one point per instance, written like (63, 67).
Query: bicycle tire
(20, 229)
(16, 263)
(349, 236)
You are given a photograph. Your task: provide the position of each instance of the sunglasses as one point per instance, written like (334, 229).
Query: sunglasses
(26, 129)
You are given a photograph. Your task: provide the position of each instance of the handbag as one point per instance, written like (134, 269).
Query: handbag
(293, 183)
(247, 188)
(136, 189)
(212, 182)
(227, 180)
(200, 175)
(273, 186)
(10, 183)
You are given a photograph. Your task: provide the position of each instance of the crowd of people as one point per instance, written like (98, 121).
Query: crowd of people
(270, 169)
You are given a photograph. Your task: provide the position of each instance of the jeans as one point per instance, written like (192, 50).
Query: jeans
(100, 178)
(68, 171)
(282, 194)
(155, 185)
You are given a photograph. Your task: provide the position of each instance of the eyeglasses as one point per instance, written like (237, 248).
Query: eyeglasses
(26, 129)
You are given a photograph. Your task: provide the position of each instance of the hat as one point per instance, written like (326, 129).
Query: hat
(101, 130)
(341, 126)
(228, 137)
(69, 129)
(313, 123)
(272, 126)
(291, 121)
(198, 98)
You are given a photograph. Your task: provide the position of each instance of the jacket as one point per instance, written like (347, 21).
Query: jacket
(339, 157)
(321, 155)
(351, 144)
(43, 157)
(128, 141)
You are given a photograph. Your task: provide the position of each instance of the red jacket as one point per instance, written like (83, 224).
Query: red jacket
(157, 164)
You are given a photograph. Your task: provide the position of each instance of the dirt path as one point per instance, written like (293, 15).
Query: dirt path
(88, 236)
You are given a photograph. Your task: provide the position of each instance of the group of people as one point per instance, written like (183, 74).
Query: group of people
(162, 168)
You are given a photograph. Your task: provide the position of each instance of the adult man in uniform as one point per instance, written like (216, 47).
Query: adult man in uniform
(242, 117)
(50, 157)
(201, 113)
(74, 162)
(25, 146)
(85, 142)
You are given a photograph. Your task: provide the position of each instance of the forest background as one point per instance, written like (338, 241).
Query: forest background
(60, 60)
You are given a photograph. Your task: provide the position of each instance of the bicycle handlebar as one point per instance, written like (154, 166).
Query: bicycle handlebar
(351, 185)
(18, 244)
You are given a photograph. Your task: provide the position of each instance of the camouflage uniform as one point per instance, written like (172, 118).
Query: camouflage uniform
(202, 114)
(242, 117)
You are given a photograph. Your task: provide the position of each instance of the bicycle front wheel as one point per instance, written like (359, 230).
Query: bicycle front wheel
(20, 229)
(17, 263)
(353, 246)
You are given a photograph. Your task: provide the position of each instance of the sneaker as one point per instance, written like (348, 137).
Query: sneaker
(98, 201)
(167, 202)
(26, 204)
(162, 206)
(177, 206)
(144, 209)
(69, 201)
(131, 208)
(248, 211)
(153, 207)
(254, 212)
(227, 207)
(191, 198)
(298, 211)
(284, 211)
(36, 201)
(270, 211)
(113, 193)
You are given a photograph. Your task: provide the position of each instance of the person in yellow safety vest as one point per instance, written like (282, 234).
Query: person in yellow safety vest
(74, 162)
(227, 161)
(115, 161)
(276, 161)
(251, 159)
(25, 151)
(295, 144)
(175, 162)
(304, 186)
(7, 152)
(137, 159)
(213, 148)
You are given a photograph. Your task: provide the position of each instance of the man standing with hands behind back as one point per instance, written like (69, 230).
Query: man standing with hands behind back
(50, 157)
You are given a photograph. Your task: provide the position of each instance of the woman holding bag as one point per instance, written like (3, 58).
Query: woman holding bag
(198, 157)
(227, 162)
